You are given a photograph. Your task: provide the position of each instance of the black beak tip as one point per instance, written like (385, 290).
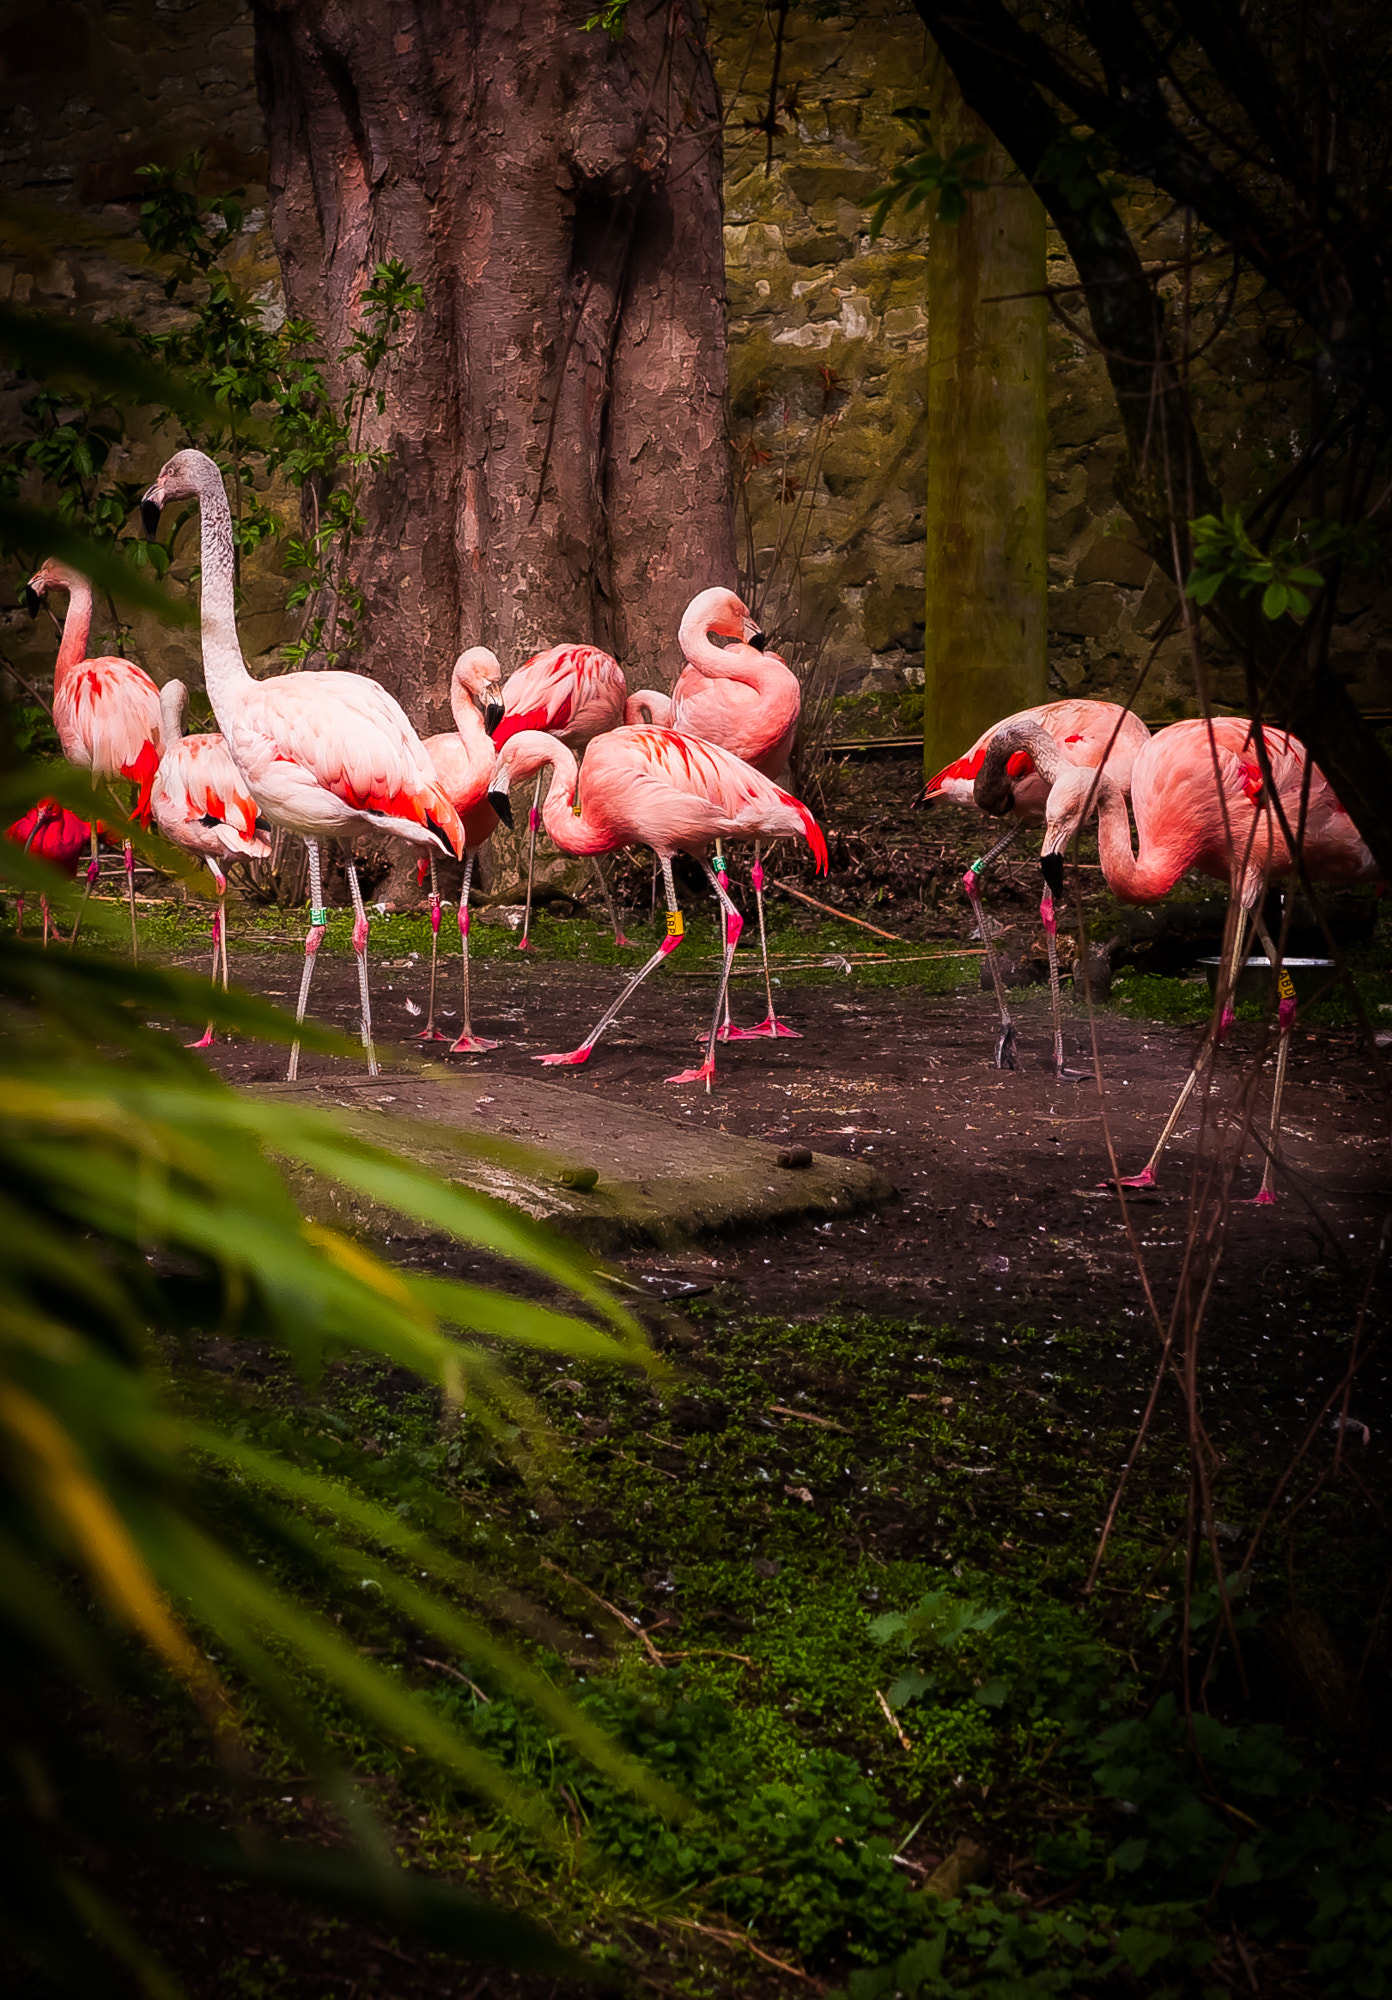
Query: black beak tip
(150, 517)
(759, 641)
(493, 715)
(32, 600)
(1051, 868)
(502, 806)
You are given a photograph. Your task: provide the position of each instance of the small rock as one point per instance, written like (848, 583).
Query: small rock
(968, 1862)
(795, 1156)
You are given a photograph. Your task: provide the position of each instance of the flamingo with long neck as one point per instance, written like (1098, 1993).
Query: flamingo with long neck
(200, 802)
(747, 700)
(575, 693)
(321, 753)
(106, 711)
(464, 758)
(674, 794)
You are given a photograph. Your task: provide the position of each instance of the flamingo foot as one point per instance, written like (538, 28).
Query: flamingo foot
(1005, 1049)
(205, 1041)
(430, 1035)
(575, 1056)
(469, 1045)
(702, 1074)
(771, 1029)
(622, 943)
(1067, 1075)
(1141, 1180)
(525, 944)
(1264, 1198)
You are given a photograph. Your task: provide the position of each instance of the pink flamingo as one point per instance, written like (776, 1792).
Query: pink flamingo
(106, 711)
(200, 802)
(672, 793)
(464, 758)
(575, 693)
(1090, 734)
(321, 753)
(1201, 801)
(58, 837)
(748, 701)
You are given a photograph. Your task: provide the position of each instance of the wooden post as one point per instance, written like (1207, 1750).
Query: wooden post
(984, 651)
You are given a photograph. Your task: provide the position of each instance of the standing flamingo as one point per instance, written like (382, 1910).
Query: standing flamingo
(201, 803)
(1090, 733)
(1200, 801)
(748, 701)
(464, 758)
(575, 693)
(106, 711)
(321, 753)
(672, 793)
(57, 837)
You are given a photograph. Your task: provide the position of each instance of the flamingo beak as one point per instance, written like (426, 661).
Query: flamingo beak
(1051, 868)
(758, 640)
(493, 710)
(33, 599)
(150, 508)
(501, 804)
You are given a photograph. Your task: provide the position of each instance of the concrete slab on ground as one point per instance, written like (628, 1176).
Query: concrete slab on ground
(659, 1180)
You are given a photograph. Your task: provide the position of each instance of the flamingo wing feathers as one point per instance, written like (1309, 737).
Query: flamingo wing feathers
(106, 713)
(574, 692)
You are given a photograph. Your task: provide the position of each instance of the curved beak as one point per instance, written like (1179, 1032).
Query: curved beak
(501, 804)
(1051, 868)
(150, 508)
(492, 708)
(33, 599)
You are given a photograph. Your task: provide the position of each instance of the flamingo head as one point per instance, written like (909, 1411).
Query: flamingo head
(173, 695)
(718, 613)
(478, 678)
(528, 751)
(183, 477)
(51, 575)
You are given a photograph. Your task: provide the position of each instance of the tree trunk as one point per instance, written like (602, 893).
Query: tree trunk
(985, 652)
(556, 416)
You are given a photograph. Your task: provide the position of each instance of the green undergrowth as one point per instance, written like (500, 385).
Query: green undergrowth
(829, 1582)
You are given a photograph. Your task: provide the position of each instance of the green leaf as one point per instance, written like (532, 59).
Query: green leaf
(1275, 598)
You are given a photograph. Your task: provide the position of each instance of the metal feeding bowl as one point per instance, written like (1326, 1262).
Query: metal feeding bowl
(1308, 976)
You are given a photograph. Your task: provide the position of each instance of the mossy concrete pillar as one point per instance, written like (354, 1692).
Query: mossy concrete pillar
(984, 652)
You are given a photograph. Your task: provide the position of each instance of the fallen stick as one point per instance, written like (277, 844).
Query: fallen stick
(827, 910)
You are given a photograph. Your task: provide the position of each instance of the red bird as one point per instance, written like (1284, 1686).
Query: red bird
(57, 837)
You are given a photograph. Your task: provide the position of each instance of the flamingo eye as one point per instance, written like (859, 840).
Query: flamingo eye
(1020, 765)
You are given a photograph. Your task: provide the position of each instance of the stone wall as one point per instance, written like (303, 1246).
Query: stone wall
(828, 334)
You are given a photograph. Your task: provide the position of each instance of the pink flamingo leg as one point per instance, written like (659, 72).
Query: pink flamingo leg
(93, 871)
(524, 943)
(734, 924)
(360, 953)
(1005, 1044)
(468, 1044)
(1285, 1015)
(430, 1033)
(130, 898)
(1048, 917)
(314, 937)
(668, 945)
(207, 1038)
(770, 1026)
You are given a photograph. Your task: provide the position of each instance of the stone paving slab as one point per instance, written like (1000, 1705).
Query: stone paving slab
(659, 1180)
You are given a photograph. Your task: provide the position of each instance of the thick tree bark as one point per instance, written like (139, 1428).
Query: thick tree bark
(1165, 482)
(556, 417)
(986, 626)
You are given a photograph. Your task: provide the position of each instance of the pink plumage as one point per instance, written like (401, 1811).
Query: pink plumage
(199, 798)
(106, 711)
(1086, 732)
(737, 695)
(56, 835)
(573, 692)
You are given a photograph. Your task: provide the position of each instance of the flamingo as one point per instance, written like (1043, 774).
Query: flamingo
(575, 693)
(321, 753)
(747, 700)
(56, 836)
(1091, 733)
(464, 758)
(1200, 801)
(106, 711)
(672, 793)
(200, 802)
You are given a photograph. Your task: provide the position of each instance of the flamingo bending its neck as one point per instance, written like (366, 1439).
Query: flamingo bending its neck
(747, 700)
(674, 794)
(575, 693)
(106, 711)
(464, 758)
(200, 802)
(321, 753)
(58, 837)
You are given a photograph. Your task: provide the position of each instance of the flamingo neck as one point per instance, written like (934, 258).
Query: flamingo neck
(468, 725)
(224, 670)
(572, 831)
(1133, 880)
(735, 662)
(77, 626)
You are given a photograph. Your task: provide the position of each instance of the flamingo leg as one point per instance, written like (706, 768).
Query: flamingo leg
(93, 870)
(468, 1044)
(1005, 1046)
(734, 924)
(1052, 867)
(620, 940)
(1227, 977)
(533, 822)
(430, 1033)
(360, 953)
(1286, 1017)
(314, 937)
(130, 898)
(675, 932)
(219, 950)
(770, 1025)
